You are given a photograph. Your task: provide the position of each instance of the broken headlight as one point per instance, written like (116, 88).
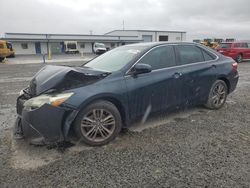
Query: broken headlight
(54, 100)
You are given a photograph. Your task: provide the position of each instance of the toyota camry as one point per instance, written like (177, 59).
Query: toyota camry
(99, 98)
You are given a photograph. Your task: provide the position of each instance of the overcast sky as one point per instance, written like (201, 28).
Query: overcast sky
(200, 18)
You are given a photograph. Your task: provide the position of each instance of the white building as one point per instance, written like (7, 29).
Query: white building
(151, 35)
(28, 43)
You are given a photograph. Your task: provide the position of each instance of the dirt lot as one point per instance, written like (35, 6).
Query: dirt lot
(192, 148)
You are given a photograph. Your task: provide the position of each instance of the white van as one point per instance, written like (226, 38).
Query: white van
(99, 48)
(70, 47)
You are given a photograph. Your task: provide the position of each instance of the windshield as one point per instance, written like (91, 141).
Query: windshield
(225, 45)
(99, 45)
(9, 46)
(115, 59)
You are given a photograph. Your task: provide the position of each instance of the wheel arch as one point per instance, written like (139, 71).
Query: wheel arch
(110, 98)
(227, 83)
(120, 107)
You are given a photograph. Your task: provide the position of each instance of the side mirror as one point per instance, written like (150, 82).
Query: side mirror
(142, 68)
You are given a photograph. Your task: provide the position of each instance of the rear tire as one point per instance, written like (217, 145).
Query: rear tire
(217, 95)
(239, 58)
(98, 123)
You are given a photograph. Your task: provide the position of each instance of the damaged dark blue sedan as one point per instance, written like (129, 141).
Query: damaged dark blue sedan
(106, 94)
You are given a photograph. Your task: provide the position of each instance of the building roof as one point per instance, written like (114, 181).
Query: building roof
(40, 36)
(108, 37)
(140, 30)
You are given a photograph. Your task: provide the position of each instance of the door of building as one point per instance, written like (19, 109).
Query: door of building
(38, 47)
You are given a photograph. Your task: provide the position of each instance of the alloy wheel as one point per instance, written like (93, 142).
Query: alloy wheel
(219, 94)
(98, 125)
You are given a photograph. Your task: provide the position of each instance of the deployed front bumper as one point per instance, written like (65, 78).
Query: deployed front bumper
(42, 125)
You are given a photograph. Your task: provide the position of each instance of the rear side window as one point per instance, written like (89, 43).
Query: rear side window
(189, 54)
(208, 56)
(248, 45)
(160, 57)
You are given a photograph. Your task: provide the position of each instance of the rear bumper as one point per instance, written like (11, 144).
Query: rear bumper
(233, 83)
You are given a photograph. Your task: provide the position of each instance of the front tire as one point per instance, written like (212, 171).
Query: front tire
(98, 123)
(217, 95)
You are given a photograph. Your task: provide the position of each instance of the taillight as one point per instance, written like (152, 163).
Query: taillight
(235, 66)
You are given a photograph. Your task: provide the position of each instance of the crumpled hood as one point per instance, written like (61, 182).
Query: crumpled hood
(62, 78)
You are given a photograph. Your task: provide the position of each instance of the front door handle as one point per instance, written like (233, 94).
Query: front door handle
(177, 75)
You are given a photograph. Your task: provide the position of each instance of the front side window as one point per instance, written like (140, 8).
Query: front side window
(225, 45)
(189, 54)
(248, 45)
(160, 57)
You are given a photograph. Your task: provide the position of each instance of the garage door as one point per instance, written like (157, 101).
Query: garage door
(147, 38)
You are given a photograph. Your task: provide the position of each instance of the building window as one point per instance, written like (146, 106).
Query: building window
(163, 38)
(82, 45)
(24, 46)
(112, 45)
(147, 38)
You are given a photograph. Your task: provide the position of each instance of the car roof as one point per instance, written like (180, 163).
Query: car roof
(153, 44)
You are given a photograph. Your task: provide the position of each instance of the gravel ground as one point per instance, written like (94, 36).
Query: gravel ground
(192, 148)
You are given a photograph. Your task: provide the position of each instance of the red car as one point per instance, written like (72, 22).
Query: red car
(239, 51)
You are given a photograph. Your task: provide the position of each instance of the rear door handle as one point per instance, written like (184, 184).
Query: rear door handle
(177, 75)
